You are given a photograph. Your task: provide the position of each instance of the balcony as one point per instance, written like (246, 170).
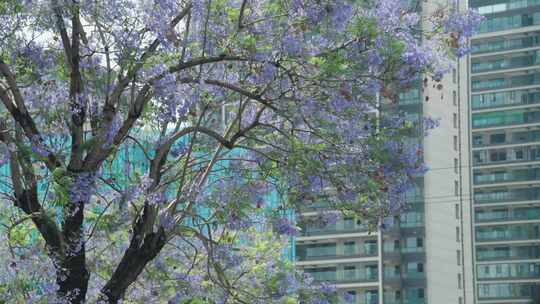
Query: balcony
(505, 118)
(505, 195)
(502, 44)
(404, 301)
(502, 23)
(342, 226)
(500, 215)
(367, 299)
(502, 291)
(507, 233)
(504, 82)
(508, 271)
(506, 156)
(508, 137)
(344, 274)
(518, 175)
(505, 99)
(508, 253)
(504, 63)
(314, 252)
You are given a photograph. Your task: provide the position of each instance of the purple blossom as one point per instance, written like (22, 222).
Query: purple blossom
(227, 255)
(462, 26)
(285, 226)
(39, 147)
(291, 45)
(112, 131)
(82, 187)
(328, 218)
(341, 14)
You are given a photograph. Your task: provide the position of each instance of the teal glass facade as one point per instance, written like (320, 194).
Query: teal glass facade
(348, 255)
(505, 158)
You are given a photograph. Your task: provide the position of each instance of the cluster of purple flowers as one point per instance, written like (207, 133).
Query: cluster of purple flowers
(462, 26)
(285, 226)
(82, 187)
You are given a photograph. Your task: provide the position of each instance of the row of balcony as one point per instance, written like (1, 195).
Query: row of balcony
(505, 99)
(355, 273)
(504, 6)
(501, 23)
(503, 63)
(357, 248)
(505, 44)
(348, 249)
(345, 273)
(346, 225)
(508, 271)
(505, 156)
(505, 118)
(508, 214)
(506, 176)
(508, 291)
(415, 295)
(507, 232)
(506, 195)
(506, 81)
(505, 137)
(507, 252)
(314, 227)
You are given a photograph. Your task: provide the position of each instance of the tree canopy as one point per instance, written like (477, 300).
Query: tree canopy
(156, 150)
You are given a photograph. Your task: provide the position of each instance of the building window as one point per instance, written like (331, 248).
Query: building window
(454, 76)
(478, 140)
(457, 234)
(497, 156)
(459, 280)
(456, 165)
(421, 293)
(454, 98)
(350, 295)
(497, 138)
(455, 143)
(420, 267)
(419, 242)
(455, 121)
(458, 253)
(456, 209)
(456, 188)
(460, 300)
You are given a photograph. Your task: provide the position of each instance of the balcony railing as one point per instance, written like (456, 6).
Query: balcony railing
(502, 23)
(507, 196)
(504, 118)
(503, 177)
(503, 156)
(338, 228)
(305, 253)
(505, 82)
(508, 233)
(504, 63)
(508, 215)
(344, 276)
(509, 253)
(504, 44)
(519, 137)
(505, 99)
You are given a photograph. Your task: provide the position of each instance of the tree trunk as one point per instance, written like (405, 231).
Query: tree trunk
(72, 274)
(72, 278)
(142, 249)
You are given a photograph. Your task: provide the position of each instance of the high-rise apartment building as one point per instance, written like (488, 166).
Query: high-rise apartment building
(423, 255)
(505, 158)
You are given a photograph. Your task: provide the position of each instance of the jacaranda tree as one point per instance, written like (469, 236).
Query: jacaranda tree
(154, 150)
